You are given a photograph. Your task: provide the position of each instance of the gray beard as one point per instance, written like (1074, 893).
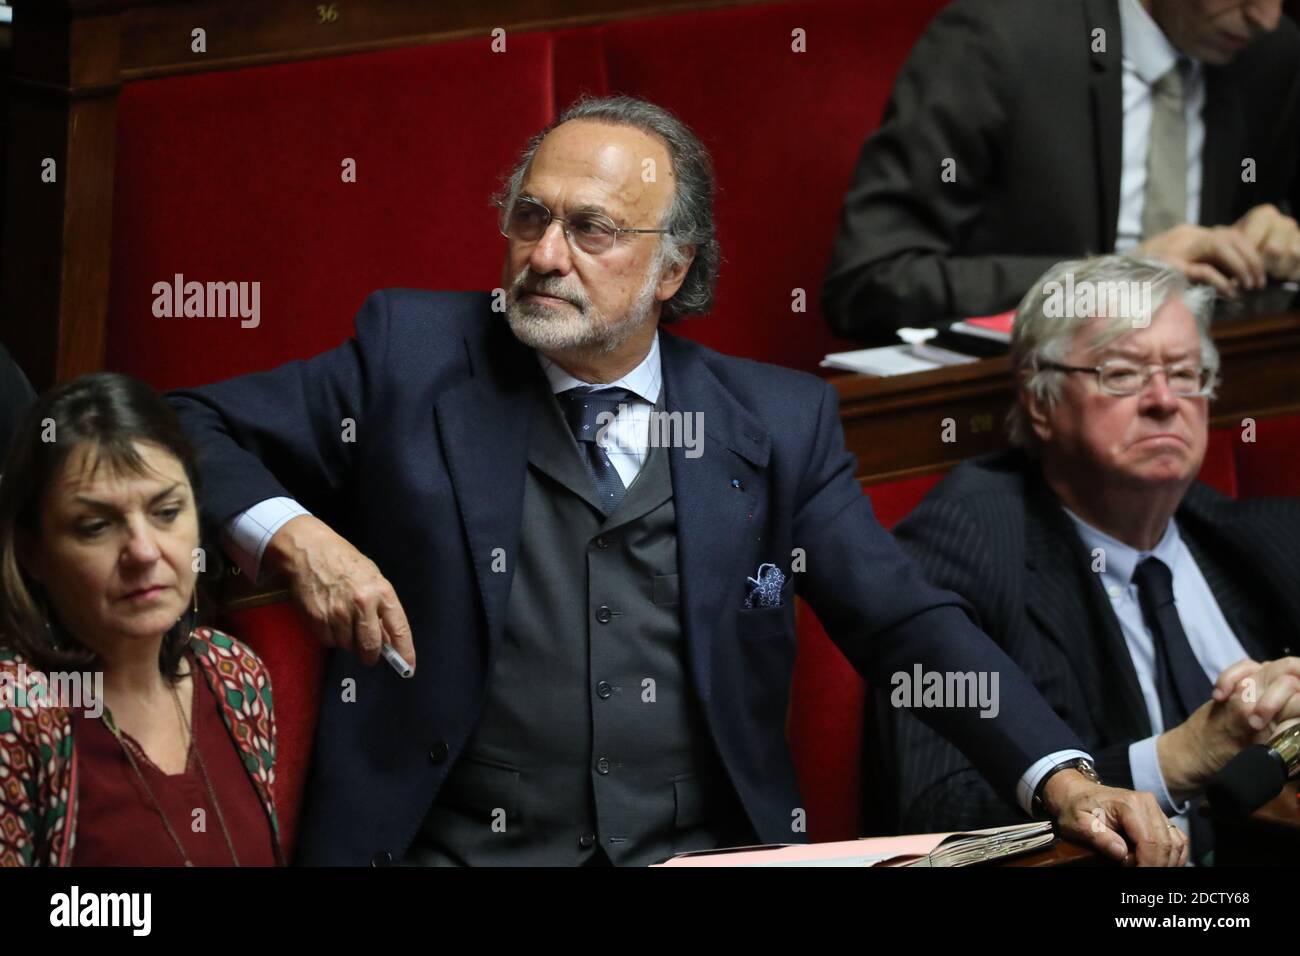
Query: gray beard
(584, 328)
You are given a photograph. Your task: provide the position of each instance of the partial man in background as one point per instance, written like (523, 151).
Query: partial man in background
(1137, 599)
(1023, 132)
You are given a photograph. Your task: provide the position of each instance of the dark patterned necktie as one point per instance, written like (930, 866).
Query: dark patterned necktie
(582, 408)
(1181, 683)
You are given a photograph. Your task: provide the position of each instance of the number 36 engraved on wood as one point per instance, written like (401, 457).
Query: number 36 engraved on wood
(327, 12)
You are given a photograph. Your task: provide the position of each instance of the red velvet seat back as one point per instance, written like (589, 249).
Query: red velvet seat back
(828, 700)
(237, 176)
(1270, 464)
(278, 634)
(1219, 469)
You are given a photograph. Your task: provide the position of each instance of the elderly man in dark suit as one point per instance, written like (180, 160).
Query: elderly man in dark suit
(1140, 602)
(592, 532)
(1022, 132)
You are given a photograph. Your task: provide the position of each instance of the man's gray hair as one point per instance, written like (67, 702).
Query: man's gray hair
(690, 215)
(1121, 293)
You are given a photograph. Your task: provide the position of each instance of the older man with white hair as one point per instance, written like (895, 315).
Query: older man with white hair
(1157, 616)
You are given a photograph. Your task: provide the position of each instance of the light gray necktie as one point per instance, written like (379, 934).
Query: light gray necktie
(1165, 204)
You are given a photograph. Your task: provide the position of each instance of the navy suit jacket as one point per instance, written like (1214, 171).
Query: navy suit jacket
(432, 486)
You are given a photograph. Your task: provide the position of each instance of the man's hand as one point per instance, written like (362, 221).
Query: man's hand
(1103, 817)
(1277, 239)
(348, 603)
(1248, 703)
(1271, 690)
(1221, 256)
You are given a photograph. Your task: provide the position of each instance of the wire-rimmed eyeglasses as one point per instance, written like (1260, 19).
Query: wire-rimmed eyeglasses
(527, 220)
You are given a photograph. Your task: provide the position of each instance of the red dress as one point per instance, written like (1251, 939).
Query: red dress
(117, 823)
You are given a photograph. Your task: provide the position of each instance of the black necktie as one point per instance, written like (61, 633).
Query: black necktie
(1180, 679)
(1181, 683)
(582, 407)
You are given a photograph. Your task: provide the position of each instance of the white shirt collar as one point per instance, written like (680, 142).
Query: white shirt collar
(645, 381)
(1146, 48)
(1122, 559)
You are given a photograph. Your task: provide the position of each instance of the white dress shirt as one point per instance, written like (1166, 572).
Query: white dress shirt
(627, 439)
(1148, 55)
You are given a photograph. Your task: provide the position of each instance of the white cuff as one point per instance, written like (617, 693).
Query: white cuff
(249, 532)
(1029, 782)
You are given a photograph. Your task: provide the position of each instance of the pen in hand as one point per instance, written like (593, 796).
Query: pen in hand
(396, 661)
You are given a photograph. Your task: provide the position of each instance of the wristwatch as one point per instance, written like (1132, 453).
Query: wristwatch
(1081, 764)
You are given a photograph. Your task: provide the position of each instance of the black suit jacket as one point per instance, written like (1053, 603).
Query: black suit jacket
(1012, 91)
(995, 533)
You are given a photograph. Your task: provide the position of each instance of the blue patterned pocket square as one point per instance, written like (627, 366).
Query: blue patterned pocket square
(765, 589)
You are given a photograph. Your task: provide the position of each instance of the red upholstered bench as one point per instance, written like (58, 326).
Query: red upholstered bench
(828, 700)
(238, 176)
(1270, 464)
(278, 633)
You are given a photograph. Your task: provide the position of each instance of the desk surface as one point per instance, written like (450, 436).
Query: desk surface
(897, 426)
(1060, 853)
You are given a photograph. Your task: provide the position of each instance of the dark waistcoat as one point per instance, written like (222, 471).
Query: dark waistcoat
(591, 739)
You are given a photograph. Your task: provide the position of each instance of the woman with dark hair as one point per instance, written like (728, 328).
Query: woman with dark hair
(170, 761)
